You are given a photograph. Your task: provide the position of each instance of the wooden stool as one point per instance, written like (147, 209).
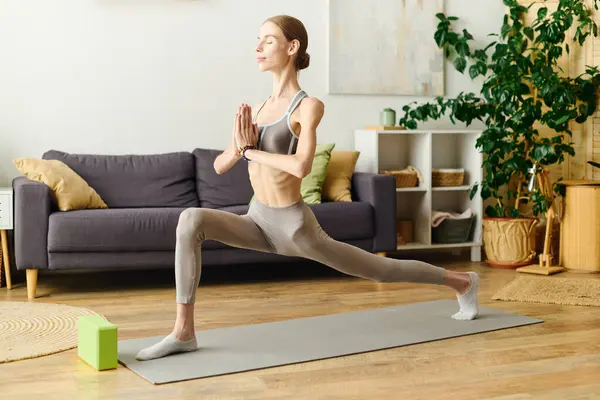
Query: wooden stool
(580, 227)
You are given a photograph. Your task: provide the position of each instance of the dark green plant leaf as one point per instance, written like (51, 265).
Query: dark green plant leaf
(542, 12)
(491, 212)
(485, 193)
(473, 71)
(439, 37)
(473, 191)
(460, 64)
(562, 119)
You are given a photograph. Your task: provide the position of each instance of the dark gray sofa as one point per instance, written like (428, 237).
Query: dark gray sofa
(145, 195)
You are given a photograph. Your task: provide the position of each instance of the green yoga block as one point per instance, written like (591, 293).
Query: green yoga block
(97, 342)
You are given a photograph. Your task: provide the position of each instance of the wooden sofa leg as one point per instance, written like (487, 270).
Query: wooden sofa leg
(32, 275)
(382, 254)
(6, 259)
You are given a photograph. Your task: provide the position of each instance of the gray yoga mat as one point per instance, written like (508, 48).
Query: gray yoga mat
(249, 347)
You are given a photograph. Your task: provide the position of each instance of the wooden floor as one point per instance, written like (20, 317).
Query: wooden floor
(559, 359)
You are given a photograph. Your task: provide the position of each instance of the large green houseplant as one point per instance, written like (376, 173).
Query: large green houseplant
(522, 88)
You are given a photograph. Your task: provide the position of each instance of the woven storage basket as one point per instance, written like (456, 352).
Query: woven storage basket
(408, 177)
(447, 177)
(453, 230)
(404, 231)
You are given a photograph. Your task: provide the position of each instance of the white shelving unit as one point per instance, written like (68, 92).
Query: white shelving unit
(427, 150)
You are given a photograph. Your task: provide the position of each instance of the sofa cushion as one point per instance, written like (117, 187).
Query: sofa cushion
(311, 186)
(126, 181)
(108, 230)
(118, 230)
(70, 191)
(338, 182)
(154, 229)
(228, 189)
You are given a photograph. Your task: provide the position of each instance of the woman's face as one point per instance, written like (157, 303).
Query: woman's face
(273, 51)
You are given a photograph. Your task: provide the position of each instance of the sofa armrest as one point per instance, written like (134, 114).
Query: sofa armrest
(33, 205)
(380, 191)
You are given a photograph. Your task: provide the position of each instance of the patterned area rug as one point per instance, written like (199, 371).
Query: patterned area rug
(552, 290)
(29, 330)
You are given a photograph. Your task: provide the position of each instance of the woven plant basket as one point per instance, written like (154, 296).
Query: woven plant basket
(408, 177)
(509, 242)
(447, 177)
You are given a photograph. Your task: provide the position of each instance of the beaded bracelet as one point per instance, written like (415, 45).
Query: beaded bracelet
(247, 147)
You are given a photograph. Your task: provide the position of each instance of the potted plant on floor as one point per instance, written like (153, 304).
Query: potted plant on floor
(523, 90)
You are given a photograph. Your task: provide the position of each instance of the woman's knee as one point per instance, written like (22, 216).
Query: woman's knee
(190, 221)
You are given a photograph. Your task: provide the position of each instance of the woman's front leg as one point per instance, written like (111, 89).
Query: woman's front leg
(184, 324)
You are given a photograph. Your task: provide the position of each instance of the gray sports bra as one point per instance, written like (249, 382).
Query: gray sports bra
(279, 137)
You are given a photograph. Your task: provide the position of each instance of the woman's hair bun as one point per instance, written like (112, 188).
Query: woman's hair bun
(303, 61)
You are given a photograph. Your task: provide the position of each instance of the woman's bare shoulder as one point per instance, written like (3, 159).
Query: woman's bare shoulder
(311, 108)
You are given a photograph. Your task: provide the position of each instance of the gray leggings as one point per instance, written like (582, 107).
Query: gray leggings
(292, 231)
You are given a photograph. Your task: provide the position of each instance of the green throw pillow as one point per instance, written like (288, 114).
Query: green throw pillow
(312, 184)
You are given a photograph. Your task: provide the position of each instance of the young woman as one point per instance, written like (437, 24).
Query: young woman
(278, 143)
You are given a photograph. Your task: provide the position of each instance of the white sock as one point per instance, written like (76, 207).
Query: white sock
(469, 304)
(169, 345)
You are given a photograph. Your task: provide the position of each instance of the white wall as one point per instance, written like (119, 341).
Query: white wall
(150, 76)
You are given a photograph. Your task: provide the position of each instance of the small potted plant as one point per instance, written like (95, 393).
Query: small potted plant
(523, 90)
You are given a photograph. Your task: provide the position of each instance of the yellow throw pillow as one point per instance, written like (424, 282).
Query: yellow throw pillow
(337, 186)
(71, 191)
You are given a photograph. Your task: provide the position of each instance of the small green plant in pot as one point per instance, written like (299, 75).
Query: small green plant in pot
(522, 89)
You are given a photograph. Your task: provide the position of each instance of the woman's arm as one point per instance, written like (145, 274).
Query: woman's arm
(299, 164)
(226, 159)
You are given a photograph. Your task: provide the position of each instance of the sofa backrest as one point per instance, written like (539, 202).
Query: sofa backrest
(124, 181)
(215, 191)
